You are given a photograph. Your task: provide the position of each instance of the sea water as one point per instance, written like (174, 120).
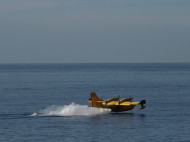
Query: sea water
(47, 102)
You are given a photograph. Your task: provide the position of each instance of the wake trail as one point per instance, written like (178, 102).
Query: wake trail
(71, 110)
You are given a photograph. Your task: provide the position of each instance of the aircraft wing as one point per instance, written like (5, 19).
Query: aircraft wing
(122, 104)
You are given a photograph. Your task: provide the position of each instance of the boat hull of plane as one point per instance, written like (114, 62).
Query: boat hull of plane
(120, 108)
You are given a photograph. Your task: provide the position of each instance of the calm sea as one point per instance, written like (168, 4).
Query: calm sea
(47, 102)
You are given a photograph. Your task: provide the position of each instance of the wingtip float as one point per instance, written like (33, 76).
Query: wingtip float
(115, 104)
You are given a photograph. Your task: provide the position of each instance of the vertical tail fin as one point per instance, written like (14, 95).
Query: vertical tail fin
(96, 102)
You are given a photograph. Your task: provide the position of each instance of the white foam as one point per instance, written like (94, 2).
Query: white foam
(34, 114)
(70, 110)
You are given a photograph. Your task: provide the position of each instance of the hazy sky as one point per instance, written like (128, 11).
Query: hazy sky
(94, 31)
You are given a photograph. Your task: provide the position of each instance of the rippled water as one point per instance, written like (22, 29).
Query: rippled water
(47, 102)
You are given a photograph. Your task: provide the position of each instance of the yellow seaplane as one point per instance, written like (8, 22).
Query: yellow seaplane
(115, 104)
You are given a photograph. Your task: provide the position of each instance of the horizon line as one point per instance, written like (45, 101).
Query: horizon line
(96, 63)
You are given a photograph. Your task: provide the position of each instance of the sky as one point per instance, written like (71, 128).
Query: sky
(100, 31)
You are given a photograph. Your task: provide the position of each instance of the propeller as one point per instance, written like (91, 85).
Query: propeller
(118, 99)
(130, 98)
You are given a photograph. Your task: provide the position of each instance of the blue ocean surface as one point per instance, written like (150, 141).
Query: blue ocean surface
(47, 102)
